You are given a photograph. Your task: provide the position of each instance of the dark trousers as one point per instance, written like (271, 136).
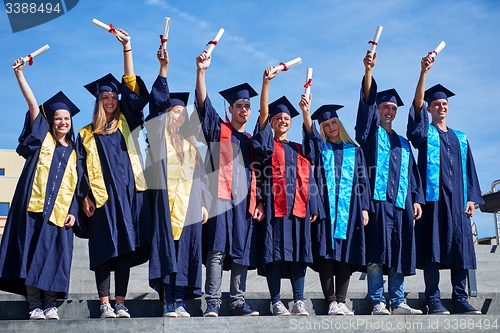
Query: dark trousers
(34, 296)
(297, 277)
(431, 278)
(341, 272)
(121, 266)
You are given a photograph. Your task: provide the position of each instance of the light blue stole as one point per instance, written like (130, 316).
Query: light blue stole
(339, 211)
(382, 170)
(433, 171)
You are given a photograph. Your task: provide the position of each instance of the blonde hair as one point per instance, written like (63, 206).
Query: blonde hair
(99, 124)
(176, 138)
(344, 137)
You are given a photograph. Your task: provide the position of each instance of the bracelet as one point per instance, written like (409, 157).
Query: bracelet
(127, 50)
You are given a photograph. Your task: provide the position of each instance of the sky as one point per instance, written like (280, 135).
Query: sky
(331, 36)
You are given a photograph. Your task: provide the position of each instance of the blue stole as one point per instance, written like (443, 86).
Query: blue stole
(339, 211)
(434, 163)
(382, 171)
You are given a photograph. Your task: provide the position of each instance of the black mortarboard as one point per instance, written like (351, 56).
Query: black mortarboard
(437, 92)
(242, 91)
(280, 105)
(179, 99)
(105, 83)
(390, 95)
(58, 102)
(326, 112)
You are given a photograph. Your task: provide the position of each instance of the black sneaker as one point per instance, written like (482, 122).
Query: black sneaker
(463, 307)
(242, 310)
(434, 307)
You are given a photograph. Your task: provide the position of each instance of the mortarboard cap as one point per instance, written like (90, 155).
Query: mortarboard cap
(390, 95)
(437, 92)
(179, 99)
(326, 112)
(105, 83)
(280, 105)
(58, 102)
(242, 91)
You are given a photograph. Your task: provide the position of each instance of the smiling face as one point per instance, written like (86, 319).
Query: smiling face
(438, 109)
(240, 111)
(61, 123)
(281, 123)
(177, 116)
(109, 101)
(331, 129)
(387, 112)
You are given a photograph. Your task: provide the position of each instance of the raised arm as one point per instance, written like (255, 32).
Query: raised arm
(264, 97)
(369, 62)
(26, 90)
(163, 63)
(128, 63)
(418, 101)
(202, 63)
(305, 106)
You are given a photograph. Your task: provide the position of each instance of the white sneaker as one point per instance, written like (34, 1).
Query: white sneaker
(37, 314)
(107, 311)
(299, 309)
(380, 309)
(333, 309)
(279, 309)
(121, 311)
(404, 309)
(51, 313)
(344, 309)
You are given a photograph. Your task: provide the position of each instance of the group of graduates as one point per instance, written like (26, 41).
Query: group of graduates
(255, 201)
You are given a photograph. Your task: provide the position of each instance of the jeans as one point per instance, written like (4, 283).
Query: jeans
(173, 292)
(431, 278)
(297, 277)
(395, 285)
(213, 282)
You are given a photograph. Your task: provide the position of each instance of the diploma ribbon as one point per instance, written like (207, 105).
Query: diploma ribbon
(163, 40)
(112, 30)
(308, 83)
(214, 42)
(372, 42)
(433, 52)
(285, 68)
(30, 60)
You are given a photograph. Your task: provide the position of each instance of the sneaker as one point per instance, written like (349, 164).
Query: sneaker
(299, 309)
(212, 309)
(434, 307)
(107, 311)
(121, 311)
(37, 314)
(344, 310)
(169, 311)
(380, 309)
(279, 309)
(463, 307)
(51, 313)
(179, 307)
(242, 310)
(404, 309)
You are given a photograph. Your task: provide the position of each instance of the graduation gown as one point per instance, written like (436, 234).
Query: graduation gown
(121, 226)
(352, 249)
(283, 238)
(34, 251)
(231, 226)
(444, 233)
(390, 237)
(165, 259)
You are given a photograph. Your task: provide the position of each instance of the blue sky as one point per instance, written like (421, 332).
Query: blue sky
(331, 37)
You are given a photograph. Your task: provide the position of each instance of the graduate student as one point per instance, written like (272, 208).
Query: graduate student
(113, 183)
(338, 237)
(444, 235)
(235, 199)
(180, 196)
(289, 190)
(37, 244)
(396, 195)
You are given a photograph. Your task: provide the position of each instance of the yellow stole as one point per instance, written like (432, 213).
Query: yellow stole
(179, 183)
(94, 171)
(66, 190)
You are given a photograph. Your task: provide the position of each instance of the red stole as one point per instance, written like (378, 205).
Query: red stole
(279, 182)
(226, 167)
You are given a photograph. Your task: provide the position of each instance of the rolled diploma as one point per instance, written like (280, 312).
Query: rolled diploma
(107, 28)
(309, 76)
(163, 47)
(216, 39)
(289, 64)
(33, 55)
(438, 49)
(376, 38)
